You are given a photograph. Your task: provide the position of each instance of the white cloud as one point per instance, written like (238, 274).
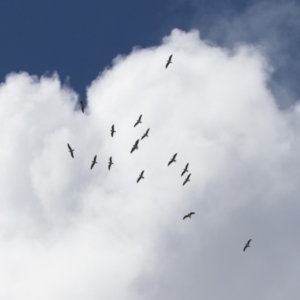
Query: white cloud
(68, 232)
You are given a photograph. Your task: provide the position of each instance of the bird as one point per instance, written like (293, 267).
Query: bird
(189, 215)
(71, 150)
(172, 159)
(138, 121)
(110, 163)
(112, 130)
(94, 162)
(135, 146)
(247, 245)
(187, 179)
(145, 134)
(169, 61)
(140, 177)
(185, 170)
(82, 106)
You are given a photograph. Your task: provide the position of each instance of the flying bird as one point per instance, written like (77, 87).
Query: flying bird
(185, 170)
(112, 130)
(145, 134)
(140, 177)
(71, 150)
(247, 245)
(172, 159)
(187, 179)
(82, 106)
(135, 146)
(110, 163)
(94, 162)
(169, 61)
(188, 215)
(138, 121)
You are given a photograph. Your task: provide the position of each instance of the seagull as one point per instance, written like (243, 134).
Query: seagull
(94, 162)
(110, 163)
(135, 146)
(169, 61)
(138, 121)
(247, 245)
(187, 179)
(188, 215)
(82, 106)
(145, 134)
(141, 176)
(172, 159)
(71, 150)
(185, 170)
(112, 130)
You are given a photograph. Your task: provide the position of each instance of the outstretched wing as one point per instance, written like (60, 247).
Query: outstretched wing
(186, 216)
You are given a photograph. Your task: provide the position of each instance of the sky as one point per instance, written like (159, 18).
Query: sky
(227, 105)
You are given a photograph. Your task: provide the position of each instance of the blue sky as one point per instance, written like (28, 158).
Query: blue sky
(79, 40)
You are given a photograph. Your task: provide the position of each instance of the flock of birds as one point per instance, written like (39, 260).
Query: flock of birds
(135, 147)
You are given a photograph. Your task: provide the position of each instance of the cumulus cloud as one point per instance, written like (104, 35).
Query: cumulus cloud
(68, 232)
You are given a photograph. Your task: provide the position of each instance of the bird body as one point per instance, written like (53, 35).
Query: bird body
(145, 134)
(189, 215)
(94, 162)
(82, 106)
(172, 159)
(110, 163)
(71, 150)
(138, 121)
(169, 61)
(112, 130)
(187, 179)
(247, 245)
(185, 170)
(135, 146)
(140, 177)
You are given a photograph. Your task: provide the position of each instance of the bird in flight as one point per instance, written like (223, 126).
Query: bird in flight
(172, 159)
(71, 150)
(169, 61)
(82, 106)
(112, 130)
(187, 179)
(94, 162)
(188, 215)
(110, 163)
(145, 134)
(140, 177)
(185, 170)
(138, 121)
(135, 146)
(247, 245)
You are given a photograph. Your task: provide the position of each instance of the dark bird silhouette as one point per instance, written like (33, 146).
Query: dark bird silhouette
(112, 130)
(82, 106)
(71, 150)
(110, 163)
(140, 177)
(188, 215)
(145, 134)
(185, 170)
(94, 162)
(172, 159)
(169, 61)
(247, 245)
(135, 146)
(187, 179)
(138, 121)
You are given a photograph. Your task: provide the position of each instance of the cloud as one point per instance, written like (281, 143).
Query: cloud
(68, 232)
(270, 25)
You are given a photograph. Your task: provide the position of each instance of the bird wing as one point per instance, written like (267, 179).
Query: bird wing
(174, 156)
(69, 147)
(192, 213)
(184, 217)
